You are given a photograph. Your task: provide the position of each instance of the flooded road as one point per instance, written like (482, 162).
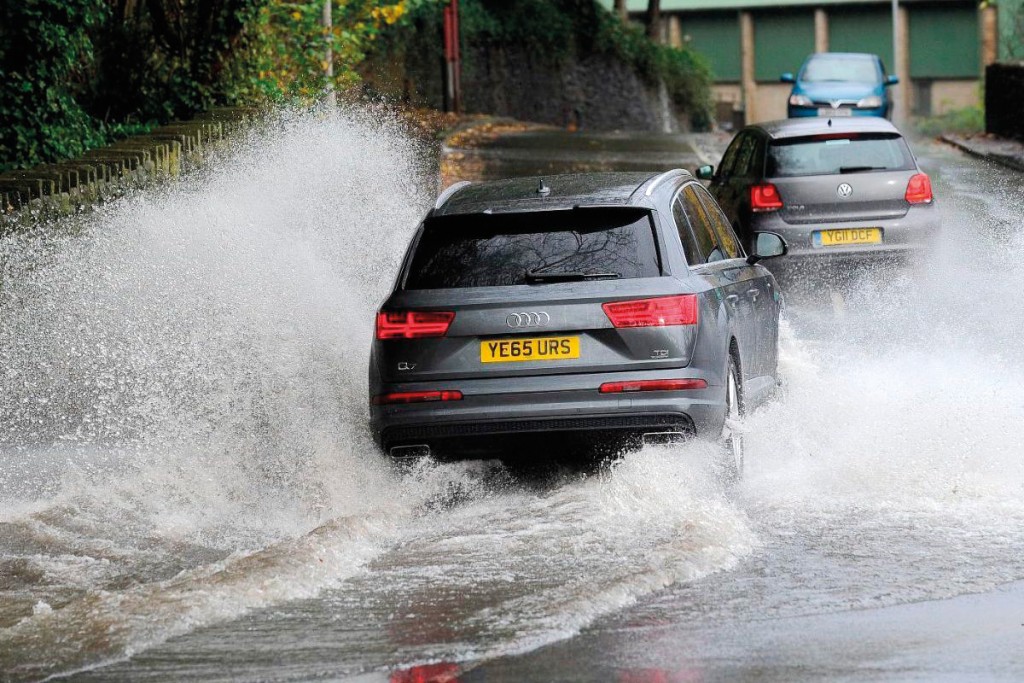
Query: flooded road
(188, 489)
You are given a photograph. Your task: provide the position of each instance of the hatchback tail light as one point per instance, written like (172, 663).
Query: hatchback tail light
(919, 190)
(417, 397)
(765, 198)
(413, 324)
(662, 311)
(653, 385)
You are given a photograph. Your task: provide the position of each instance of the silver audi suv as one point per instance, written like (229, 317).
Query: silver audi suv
(842, 189)
(537, 317)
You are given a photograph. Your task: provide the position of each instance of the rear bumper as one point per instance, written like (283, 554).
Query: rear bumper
(489, 419)
(907, 235)
(537, 438)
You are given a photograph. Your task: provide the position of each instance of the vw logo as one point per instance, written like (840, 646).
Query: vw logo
(530, 319)
(836, 103)
(844, 190)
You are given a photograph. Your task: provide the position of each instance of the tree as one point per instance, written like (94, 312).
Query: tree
(654, 20)
(621, 9)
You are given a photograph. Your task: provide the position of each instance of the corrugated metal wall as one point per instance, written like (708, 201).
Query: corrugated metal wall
(717, 37)
(944, 42)
(862, 29)
(782, 40)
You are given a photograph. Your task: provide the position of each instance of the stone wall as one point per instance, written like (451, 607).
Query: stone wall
(1004, 99)
(596, 92)
(51, 190)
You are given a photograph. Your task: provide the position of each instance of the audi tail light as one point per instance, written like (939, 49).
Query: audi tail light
(413, 324)
(653, 385)
(919, 189)
(765, 198)
(663, 311)
(417, 397)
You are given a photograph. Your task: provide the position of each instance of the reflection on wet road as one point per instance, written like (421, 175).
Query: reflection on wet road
(225, 516)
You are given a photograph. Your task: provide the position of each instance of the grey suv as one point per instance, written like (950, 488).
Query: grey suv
(599, 310)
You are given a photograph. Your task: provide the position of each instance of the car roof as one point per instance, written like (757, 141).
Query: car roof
(564, 191)
(799, 127)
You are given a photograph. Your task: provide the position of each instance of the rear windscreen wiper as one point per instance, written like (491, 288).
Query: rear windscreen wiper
(858, 169)
(533, 276)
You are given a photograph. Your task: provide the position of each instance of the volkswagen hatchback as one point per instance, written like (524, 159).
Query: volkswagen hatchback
(594, 312)
(847, 189)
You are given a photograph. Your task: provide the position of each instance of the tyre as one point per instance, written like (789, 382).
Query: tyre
(731, 460)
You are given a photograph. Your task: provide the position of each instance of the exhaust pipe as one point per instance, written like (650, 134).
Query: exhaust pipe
(663, 438)
(410, 451)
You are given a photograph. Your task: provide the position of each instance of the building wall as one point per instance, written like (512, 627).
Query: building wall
(782, 40)
(943, 50)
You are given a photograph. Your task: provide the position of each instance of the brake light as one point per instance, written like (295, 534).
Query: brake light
(919, 190)
(765, 198)
(653, 385)
(417, 397)
(413, 324)
(663, 311)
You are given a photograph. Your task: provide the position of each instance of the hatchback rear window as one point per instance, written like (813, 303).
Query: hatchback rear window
(836, 153)
(483, 250)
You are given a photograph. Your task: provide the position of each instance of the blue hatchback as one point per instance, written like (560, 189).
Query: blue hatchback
(840, 84)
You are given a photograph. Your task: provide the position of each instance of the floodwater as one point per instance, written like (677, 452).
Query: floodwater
(188, 489)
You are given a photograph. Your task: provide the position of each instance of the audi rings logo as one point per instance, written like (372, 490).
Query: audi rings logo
(844, 190)
(529, 319)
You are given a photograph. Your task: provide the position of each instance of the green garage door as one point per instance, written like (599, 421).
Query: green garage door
(862, 29)
(717, 37)
(782, 41)
(944, 41)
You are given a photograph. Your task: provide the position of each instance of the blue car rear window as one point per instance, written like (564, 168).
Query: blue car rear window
(482, 250)
(838, 153)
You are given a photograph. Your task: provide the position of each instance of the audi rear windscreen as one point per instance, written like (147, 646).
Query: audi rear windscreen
(838, 153)
(493, 250)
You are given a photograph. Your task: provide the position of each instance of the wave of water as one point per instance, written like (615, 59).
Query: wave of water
(183, 385)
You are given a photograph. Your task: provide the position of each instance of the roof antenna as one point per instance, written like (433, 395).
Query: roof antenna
(543, 189)
(830, 123)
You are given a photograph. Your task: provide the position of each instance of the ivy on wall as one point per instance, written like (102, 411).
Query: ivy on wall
(75, 74)
(46, 65)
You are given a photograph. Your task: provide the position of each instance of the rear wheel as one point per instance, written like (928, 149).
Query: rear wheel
(732, 437)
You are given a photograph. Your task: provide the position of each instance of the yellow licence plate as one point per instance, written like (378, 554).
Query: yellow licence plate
(534, 348)
(837, 238)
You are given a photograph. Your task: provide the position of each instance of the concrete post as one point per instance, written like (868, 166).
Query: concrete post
(989, 25)
(748, 80)
(903, 104)
(675, 31)
(820, 30)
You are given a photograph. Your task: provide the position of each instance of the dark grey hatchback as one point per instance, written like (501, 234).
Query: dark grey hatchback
(602, 310)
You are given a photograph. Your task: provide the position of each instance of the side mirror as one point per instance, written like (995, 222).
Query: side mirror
(892, 80)
(767, 245)
(787, 77)
(705, 172)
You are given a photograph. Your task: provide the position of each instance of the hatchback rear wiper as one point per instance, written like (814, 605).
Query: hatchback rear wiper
(858, 169)
(533, 276)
